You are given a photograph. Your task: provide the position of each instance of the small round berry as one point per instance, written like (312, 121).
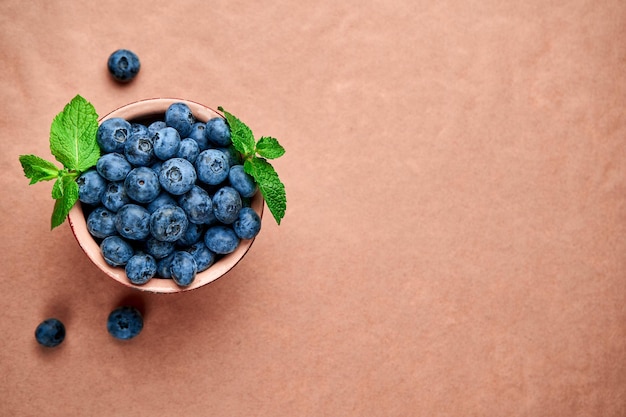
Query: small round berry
(124, 323)
(50, 332)
(140, 268)
(123, 65)
(183, 268)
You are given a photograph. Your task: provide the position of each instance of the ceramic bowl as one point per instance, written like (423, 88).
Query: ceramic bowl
(147, 111)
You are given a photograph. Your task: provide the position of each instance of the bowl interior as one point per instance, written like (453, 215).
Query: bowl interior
(147, 111)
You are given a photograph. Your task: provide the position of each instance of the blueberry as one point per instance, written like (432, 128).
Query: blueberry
(183, 268)
(115, 196)
(50, 332)
(91, 187)
(139, 150)
(226, 204)
(188, 150)
(155, 126)
(124, 323)
(192, 235)
(202, 255)
(163, 266)
(163, 199)
(139, 129)
(212, 166)
(116, 251)
(140, 268)
(142, 185)
(168, 223)
(221, 239)
(217, 132)
(123, 65)
(197, 205)
(180, 117)
(113, 166)
(177, 176)
(112, 134)
(133, 222)
(156, 167)
(166, 143)
(248, 223)
(158, 248)
(197, 134)
(241, 181)
(101, 223)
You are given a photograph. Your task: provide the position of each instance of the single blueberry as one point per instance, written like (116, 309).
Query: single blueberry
(203, 256)
(116, 251)
(139, 129)
(140, 268)
(101, 223)
(113, 166)
(123, 65)
(177, 176)
(188, 150)
(139, 150)
(192, 235)
(183, 268)
(217, 132)
(115, 196)
(166, 142)
(221, 239)
(124, 323)
(155, 126)
(197, 205)
(163, 199)
(91, 187)
(241, 181)
(158, 248)
(112, 134)
(168, 223)
(142, 185)
(226, 204)
(212, 166)
(197, 134)
(180, 117)
(50, 332)
(248, 223)
(133, 222)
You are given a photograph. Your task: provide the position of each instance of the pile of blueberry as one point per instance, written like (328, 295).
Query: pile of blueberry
(167, 198)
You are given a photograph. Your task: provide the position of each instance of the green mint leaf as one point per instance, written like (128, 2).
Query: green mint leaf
(269, 184)
(240, 134)
(269, 148)
(73, 135)
(38, 169)
(67, 189)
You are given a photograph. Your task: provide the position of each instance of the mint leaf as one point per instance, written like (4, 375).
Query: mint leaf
(271, 187)
(68, 190)
(73, 135)
(269, 148)
(240, 134)
(38, 169)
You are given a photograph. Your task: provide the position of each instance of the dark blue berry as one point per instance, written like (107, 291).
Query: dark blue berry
(142, 185)
(139, 150)
(168, 223)
(123, 65)
(115, 196)
(116, 251)
(241, 181)
(125, 323)
(197, 205)
(113, 166)
(166, 142)
(101, 223)
(140, 268)
(112, 134)
(188, 150)
(183, 268)
(212, 166)
(226, 204)
(177, 176)
(91, 187)
(202, 255)
(133, 222)
(50, 332)
(221, 239)
(180, 117)
(217, 132)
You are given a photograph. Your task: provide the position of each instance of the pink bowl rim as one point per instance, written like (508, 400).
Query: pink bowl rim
(147, 108)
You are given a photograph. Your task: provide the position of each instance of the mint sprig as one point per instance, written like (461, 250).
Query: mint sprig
(255, 155)
(73, 144)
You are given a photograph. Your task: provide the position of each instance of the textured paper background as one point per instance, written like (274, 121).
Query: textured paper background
(454, 243)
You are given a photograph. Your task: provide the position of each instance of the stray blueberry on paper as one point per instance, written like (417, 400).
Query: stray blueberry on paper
(125, 323)
(123, 65)
(50, 332)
